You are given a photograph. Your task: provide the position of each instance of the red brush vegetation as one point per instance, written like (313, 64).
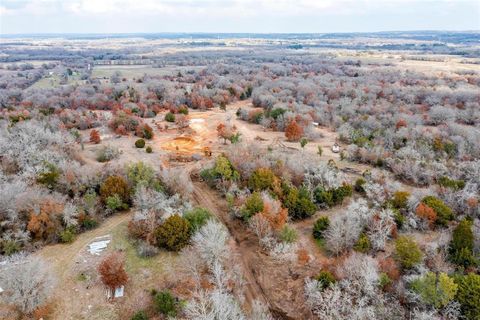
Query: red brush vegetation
(112, 271)
(95, 136)
(293, 132)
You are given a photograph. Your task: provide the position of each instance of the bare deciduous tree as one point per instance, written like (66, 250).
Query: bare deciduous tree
(27, 283)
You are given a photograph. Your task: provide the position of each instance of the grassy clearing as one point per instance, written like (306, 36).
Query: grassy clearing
(54, 81)
(130, 72)
(134, 264)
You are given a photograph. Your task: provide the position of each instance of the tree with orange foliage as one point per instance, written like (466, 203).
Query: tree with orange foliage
(274, 213)
(425, 212)
(226, 131)
(43, 223)
(293, 132)
(112, 271)
(95, 136)
(390, 267)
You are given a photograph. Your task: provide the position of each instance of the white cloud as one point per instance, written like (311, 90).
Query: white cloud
(239, 15)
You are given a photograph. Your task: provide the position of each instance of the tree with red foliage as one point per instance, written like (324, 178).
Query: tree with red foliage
(401, 123)
(427, 213)
(144, 131)
(112, 271)
(95, 136)
(293, 132)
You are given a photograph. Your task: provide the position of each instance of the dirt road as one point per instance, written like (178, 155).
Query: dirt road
(267, 280)
(62, 256)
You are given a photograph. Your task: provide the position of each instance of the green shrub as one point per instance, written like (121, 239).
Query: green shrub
(468, 295)
(435, 290)
(323, 197)
(209, 175)
(407, 252)
(170, 117)
(115, 203)
(165, 303)
(325, 279)
(363, 244)
(400, 199)
(288, 234)
(49, 176)
(398, 217)
(140, 173)
(149, 149)
(450, 183)
(341, 193)
(320, 226)
(298, 202)
(223, 169)
(9, 247)
(319, 150)
(461, 245)
(140, 315)
(140, 143)
(262, 179)
(107, 153)
(277, 112)
(197, 218)
(303, 142)
(332, 197)
(384, 280)
(183, 110)
(359, 183)
(89, 223)
(174, 233)
(253, 205)
(257, 117)
(67, 235)
(235, 138)
(444, 213)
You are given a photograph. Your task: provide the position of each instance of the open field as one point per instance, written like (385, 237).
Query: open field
(136, 72)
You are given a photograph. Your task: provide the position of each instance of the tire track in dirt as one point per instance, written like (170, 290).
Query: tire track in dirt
(207, 199)
(256, 266)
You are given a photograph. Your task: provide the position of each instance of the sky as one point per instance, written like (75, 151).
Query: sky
(255, 16)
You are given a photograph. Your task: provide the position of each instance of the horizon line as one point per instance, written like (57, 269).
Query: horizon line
(235, 33)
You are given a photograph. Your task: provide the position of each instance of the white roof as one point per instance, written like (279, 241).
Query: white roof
(96, 247)
(119, 292)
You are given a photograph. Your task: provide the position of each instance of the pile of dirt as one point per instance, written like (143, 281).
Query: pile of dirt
(185, 145)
